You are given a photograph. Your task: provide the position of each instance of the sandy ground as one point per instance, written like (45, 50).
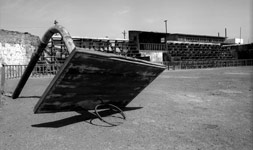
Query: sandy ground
(181, 109)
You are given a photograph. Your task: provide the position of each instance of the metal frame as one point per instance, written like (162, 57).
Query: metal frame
(34, 59)
(70, 47)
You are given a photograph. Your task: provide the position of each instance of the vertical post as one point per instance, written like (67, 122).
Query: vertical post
(2, 79)
(124, 34)
(225, 32)
(21, 71)
(240, 35)
(166, 48)
(165, 40)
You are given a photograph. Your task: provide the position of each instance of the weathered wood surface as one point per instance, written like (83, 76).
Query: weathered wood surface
(88, 76)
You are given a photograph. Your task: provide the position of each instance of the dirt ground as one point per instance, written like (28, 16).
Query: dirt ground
(182, 109)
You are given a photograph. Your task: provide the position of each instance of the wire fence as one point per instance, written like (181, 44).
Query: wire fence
(40, 70)
(198, 64)
(43, 70)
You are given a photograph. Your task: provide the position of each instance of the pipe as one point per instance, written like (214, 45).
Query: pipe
(35, 57)
(225, 32)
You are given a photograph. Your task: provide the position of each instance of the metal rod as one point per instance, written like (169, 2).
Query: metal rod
(225, 32)
(35, 57)
(240, 35)
(165, 35)
(2, 80)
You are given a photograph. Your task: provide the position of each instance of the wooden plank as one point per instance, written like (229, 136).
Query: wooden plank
(88, 76)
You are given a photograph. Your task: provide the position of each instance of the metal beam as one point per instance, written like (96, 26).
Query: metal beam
(35, 57)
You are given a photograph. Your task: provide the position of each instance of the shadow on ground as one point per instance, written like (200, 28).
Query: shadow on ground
(29, 97)
(9, 94)
(85, 116)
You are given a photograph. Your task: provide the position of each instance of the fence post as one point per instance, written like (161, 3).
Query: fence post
(2, 80)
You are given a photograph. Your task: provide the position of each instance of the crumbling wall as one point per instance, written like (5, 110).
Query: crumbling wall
(16, 48)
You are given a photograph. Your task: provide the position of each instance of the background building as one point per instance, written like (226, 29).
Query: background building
(179, 47)
(234, 41)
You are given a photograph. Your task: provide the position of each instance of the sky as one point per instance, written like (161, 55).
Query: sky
(109, 18)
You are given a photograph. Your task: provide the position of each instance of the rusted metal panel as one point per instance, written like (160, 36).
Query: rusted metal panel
(89, 76)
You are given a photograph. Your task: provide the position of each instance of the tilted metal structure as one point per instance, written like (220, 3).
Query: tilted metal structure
(90, 80)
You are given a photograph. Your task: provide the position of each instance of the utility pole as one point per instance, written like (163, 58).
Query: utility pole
(124, 33)
(226, 33)
(166, 48)
(240, 35)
